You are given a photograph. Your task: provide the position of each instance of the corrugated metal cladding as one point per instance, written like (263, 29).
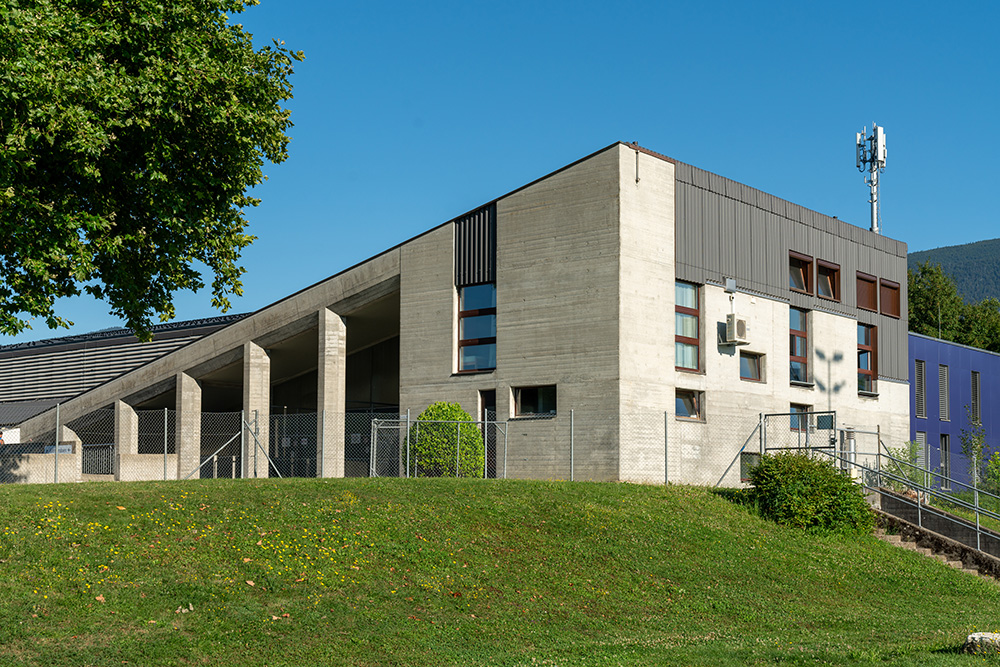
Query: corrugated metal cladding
(476, 247)
(725, 229)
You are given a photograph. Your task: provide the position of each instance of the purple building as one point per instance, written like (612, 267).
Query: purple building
(949, 384)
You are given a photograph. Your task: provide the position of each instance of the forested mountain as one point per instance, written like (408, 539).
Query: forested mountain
(975, 267)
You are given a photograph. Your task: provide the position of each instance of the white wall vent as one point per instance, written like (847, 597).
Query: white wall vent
(737, 329)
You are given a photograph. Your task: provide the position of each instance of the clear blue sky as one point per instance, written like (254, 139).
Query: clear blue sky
(408, 114)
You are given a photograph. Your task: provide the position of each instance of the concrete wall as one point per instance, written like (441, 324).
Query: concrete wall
(145, 467)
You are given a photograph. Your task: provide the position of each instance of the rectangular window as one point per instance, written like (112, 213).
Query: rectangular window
(867, 358)
(920, 437)
(889, 295)
(799, 418)
(920, 391)
(976, 407)
(944, 402)
(945, 461)
(799, 272)
(798, 345)
(828, 280)
(867, 296)
(686, 326)
(687, 404)
(751, 366)
(477, 327)
(533, 401)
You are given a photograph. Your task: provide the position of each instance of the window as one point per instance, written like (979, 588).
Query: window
(945, 461)
(976, 407)
(477, 327)
(867, 358)
(828, 280)
(944, 404)
(687, 404)
(532, 401)
(867, 298)
(799, 419)
(751, 366)
(889, 295)
(686, 332)
(799, 272)
(798, 346)
(920, 437)
(920, 391)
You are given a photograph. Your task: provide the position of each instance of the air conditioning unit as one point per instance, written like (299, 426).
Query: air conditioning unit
(737, 330)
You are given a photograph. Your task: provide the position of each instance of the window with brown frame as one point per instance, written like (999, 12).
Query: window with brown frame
(828, 280)
(751, 366)
(867, 358)
(477, 327)
(688, 404)
(889, 295)
(800, 272)
(686, 327)
(867, 295)
(798, 335)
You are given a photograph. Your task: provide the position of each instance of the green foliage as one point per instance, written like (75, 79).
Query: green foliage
(796, 490)
(129, 135)
(905, 466)
(992, 479)
(974, 447)
(440, 438)
(935, 306)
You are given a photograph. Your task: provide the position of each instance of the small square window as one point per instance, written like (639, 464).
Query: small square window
(533, 401)
(867, 293)
(828, 280)
(751, 366)
(688, 404)
(889, 294)
(800, 272)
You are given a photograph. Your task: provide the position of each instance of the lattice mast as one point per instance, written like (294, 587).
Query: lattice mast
(871, 159)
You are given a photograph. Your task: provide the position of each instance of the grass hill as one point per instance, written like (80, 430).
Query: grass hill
(455, 572)
(975, 267)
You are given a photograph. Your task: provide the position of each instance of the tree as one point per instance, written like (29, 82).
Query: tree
(130, 132)
(445, 442)
(981, 325)
(936, 308)
(974, 447)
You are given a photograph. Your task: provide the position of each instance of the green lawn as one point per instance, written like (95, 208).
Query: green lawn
(455, 572)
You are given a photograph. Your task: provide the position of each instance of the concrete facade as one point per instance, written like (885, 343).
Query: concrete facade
(585, 273)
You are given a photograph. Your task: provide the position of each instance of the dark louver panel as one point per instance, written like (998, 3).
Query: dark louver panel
(476, 247)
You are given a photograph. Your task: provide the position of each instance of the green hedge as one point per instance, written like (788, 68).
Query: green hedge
(437, 443)
(795, 490)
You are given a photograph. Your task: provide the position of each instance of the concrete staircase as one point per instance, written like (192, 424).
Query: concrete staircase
(905, 535)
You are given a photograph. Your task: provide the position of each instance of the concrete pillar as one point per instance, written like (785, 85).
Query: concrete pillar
(126, 435)
(187, 425)
(256, 401)
(331, 394)
(70, 465)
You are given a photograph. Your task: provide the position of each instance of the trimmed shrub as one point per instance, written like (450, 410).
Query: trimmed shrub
(795, 490)
(440, 443)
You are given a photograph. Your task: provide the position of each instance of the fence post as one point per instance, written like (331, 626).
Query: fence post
(763, 433)
(256, 440)
(322, 441)
(372, 435)
(666, 457)
(506, 426)
(55, 473)
(486, 442)
(572, 447)
(407, 443)
(165, 420)
(243, 444)
(458, 445)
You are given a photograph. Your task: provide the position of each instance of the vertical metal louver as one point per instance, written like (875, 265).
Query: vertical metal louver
(976, 407)
(920, 390)
(920, 437)
(476, 247)
(944, 405)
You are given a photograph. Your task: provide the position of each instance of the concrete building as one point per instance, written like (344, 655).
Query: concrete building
(663, 307)
(950, 385)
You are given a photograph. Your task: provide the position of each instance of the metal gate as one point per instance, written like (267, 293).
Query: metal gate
(432, 448)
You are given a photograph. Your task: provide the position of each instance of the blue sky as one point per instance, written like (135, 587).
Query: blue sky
(408, 114)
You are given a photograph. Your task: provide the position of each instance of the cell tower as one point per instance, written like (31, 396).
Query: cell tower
(871, 158)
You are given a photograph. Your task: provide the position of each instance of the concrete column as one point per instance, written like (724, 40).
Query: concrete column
(256, 400)
(126, 435)
(331, 393)
(187, 425)
(70, 465)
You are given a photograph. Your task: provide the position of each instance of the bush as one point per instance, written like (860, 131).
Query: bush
(437, 443)
(795, 490)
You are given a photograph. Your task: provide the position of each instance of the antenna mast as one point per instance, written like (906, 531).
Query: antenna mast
(871, 158)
